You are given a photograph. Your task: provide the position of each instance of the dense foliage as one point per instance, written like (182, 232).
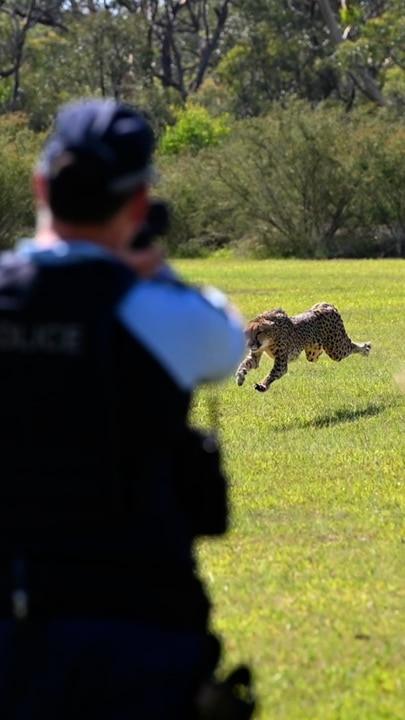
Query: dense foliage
(279, 122)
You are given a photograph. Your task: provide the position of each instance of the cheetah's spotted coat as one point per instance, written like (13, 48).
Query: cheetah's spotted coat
(283, 338)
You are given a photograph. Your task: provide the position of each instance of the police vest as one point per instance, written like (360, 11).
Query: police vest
(57, 461)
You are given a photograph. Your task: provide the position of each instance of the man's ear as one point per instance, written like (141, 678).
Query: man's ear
(140, 206)
(40, 187)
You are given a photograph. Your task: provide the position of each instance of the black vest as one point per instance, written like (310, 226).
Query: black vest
(103, 487)
(57, 457)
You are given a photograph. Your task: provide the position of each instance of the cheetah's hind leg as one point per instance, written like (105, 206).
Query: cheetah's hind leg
(340, 350)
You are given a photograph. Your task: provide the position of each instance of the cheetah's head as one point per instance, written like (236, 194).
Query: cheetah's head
(258, 335)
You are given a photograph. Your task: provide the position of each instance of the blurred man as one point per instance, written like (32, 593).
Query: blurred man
(102, 489)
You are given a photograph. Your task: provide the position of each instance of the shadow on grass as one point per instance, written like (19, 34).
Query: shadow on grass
(343, 415)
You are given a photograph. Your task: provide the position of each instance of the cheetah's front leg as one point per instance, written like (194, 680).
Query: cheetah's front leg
(279, 369)
(251, 362)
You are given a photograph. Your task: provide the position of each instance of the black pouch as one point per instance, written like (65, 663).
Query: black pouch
(201, 482)
(230, 699)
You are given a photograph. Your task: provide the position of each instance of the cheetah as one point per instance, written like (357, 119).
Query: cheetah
(284, 337)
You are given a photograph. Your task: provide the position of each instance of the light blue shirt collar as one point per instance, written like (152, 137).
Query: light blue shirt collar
(62, 250)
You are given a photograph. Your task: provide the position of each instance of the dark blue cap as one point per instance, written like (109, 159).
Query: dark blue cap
(104, 137)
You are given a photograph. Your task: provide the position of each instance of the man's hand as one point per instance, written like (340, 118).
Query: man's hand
(146, 262)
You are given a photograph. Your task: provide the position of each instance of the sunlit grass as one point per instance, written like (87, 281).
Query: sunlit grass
(309, 585)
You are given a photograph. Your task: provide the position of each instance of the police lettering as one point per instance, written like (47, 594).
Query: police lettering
(51, 338)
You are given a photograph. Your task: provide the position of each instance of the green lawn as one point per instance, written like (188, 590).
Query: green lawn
(309, 585)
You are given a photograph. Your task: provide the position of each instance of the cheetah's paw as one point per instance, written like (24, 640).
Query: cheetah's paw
(260, 387)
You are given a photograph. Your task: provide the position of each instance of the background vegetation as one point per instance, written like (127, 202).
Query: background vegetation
(308, 586)
(279, 123)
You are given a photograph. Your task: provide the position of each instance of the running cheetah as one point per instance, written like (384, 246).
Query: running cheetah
(283, 338)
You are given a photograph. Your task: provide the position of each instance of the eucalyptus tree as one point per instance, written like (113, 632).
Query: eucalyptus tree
(375, 49)
(102, 54)
(279, 49)
(314, 49)
(173, 44)
(360, 73)
(239, 55)
(17, 19)
(184, 38)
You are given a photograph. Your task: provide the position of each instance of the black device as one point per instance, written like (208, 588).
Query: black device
(156, 225)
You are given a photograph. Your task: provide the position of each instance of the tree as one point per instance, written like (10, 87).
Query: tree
(360, 74)
(184, 37)
(240, 56)
(278, 49)
(103, 54)
(17, 21)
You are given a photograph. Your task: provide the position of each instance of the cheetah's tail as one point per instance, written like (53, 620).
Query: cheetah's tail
(366, 348)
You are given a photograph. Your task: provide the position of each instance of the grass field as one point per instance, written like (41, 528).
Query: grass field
(309, 585)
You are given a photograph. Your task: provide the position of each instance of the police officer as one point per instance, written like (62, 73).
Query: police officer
(102, 613)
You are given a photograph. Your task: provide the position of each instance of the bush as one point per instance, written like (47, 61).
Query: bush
(299, 182)
(193, 130)
(292, 171)
(19, 148)
(199, 216)
(381, 161)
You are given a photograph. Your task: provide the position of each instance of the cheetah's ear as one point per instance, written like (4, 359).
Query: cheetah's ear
(265, 326)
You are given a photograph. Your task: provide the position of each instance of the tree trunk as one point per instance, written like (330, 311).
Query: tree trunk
(361, 76)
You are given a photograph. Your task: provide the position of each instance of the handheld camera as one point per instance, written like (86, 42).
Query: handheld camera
(156, 225)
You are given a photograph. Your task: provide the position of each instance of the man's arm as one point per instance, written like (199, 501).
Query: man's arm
(197, 336)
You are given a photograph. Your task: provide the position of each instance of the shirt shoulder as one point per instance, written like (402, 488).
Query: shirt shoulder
(195, 334)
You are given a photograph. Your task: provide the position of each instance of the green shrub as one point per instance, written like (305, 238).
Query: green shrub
(19, 148)
(202, 209)
(299, 182)
(379, 150)
(193, 130)
(292, 173)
